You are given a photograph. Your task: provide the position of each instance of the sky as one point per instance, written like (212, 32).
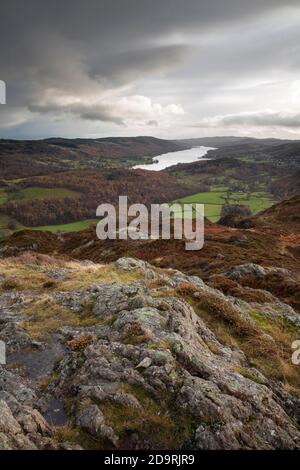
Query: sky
(168, 68)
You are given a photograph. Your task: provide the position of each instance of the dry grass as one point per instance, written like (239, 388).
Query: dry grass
(36, 259)
(18, 276)
(155, 422)
(233, 288)
(278, 362)
(185, 289)
(134, 334)
(45, 316)
(266, 344)
(78, 436)
(279, 285)
(80, 342)
(222, 310)
(33, 272)
(82, 276)
(161, 345)
(245, 373)
(213, 348)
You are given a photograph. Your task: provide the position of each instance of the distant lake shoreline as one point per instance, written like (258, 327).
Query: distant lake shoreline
(165, 160)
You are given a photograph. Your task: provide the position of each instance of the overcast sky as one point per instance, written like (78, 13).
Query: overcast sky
(169, 68)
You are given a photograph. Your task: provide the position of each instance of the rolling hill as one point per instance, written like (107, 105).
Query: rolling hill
(19, 159)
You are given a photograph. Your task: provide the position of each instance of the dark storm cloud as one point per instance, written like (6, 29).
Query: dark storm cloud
(84, 59)
(116, 32)
(126, 17)
(130, 64)
(98, 112)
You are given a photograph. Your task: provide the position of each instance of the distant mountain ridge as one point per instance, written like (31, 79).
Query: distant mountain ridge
(229, 146)
(228, 141)
(30, 157)
(23, 158)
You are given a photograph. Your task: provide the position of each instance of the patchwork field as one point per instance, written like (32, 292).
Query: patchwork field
(67, 201)
(212, 183)
(213, 201)
(9, 224)
(5, 223)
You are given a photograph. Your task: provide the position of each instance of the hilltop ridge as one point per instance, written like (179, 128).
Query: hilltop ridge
(20, 159)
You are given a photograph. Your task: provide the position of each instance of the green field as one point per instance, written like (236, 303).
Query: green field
(3, 196)
(72, 227)
(41, 193)
(213, 201)
(5, 231)
(4, 225)
(36, 193)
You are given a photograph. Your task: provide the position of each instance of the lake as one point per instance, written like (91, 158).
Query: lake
(173, 158)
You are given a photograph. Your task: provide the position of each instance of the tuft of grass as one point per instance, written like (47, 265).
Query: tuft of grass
(135, 334)
(82, 277)
(223, 311)
(271, 354)
(213, 348)
(261, 321)
(278, 363)
(80, 342)
(20, 276)
(161, 345)
(266, 344)
(45, 316)
(31, 272)
(155, 421)
(75, 435)
(185, 289)
(245, 373)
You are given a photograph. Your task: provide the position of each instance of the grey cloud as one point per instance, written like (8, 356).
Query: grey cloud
(259, 119)
(98, 29)
(130, 64)
(264, 119)
(89, 112)
(53, 52)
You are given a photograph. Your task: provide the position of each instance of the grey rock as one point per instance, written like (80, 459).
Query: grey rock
(92, 420)
(151, 357)
(129, 264)
(249, 269)
(145, 363)
(111, 299)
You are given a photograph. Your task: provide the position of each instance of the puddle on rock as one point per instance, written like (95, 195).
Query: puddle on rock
(55, 414)
(39, 362)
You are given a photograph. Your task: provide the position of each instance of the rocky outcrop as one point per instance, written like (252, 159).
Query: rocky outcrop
(21, 425)
(249, 269)
(144, 368)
